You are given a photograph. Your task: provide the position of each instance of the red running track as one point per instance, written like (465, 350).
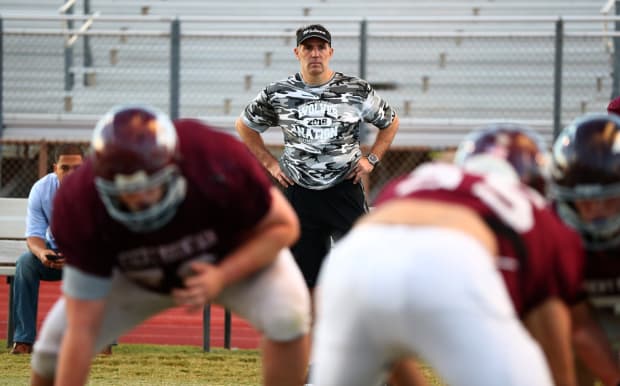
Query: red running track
(174, 326)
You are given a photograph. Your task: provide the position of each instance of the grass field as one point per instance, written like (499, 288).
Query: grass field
(134, 364)
(138, 364)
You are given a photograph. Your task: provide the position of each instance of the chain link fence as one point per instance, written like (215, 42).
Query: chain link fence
(446, 77)
(445, 73)
(33, 73)
(24, 162)
(124, 68)
(475, 70)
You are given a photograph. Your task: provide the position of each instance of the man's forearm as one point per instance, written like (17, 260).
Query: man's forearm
(256, 254)
(36, 245)
(385, 138)
(592, 346)
(278, 230)
(255, 143)
(550, 324)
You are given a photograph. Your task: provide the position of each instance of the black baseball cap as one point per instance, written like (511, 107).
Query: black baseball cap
(313, 31)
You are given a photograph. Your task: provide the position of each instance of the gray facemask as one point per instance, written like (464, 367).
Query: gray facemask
(153, 217)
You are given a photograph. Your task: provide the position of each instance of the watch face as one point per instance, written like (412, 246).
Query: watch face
(373, 159)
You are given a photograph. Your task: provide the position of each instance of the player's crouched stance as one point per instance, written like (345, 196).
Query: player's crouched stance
(435, 293)
(159, 217)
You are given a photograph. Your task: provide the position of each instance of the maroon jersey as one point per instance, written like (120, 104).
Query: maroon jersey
(539, 256)
(228, 193)
(602, 272)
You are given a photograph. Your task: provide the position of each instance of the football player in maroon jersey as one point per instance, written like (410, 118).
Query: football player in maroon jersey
(527, 153)
(163, 215)
(585, 186)
(438, 284)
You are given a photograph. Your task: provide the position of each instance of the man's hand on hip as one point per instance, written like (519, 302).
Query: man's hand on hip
(362, 168)
(277, 173)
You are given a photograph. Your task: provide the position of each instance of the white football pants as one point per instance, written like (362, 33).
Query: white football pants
(392, 291)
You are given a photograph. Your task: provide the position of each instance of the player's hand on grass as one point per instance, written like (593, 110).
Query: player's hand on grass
(200, 288)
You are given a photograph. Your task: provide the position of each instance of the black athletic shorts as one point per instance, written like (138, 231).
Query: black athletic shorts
(324, 215)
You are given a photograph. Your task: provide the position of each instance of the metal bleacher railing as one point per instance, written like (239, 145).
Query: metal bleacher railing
(454, 68)
(444, 75)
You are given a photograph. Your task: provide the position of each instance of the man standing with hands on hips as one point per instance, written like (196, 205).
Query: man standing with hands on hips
(320, 112)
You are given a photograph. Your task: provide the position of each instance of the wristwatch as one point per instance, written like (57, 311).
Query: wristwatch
(373, 159)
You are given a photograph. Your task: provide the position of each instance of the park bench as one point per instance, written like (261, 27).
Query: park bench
(13, 244)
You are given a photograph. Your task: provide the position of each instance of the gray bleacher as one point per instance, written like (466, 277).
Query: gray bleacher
(30, 5)
(33, 76)
(346, 7)
(239, 47)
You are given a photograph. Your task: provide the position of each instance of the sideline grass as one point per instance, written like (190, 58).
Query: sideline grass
(143, 364)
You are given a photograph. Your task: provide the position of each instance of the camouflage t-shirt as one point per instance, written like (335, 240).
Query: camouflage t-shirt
(321, 125)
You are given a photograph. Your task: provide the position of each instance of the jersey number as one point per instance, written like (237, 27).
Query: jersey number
(507, 200)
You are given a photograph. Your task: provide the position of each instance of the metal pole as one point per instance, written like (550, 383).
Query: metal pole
(88, 55)
(363, 47)
(557, 81)
(11, 321)
(175, 65)
(363, 55)
(206, 328)
(615, 80)
(69, 76)
(227, 319)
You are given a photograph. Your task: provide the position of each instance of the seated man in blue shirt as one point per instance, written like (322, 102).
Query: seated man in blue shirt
(42, 261)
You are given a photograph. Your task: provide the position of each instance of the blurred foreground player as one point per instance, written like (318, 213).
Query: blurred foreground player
(585, 186)
(158, 217)
(543, 282)
(540, 284)
(438, 285)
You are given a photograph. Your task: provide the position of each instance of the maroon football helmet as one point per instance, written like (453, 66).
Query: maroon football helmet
(520, 145)
(586, 166)
(135, 148)
(132, 138)
(614, 106)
